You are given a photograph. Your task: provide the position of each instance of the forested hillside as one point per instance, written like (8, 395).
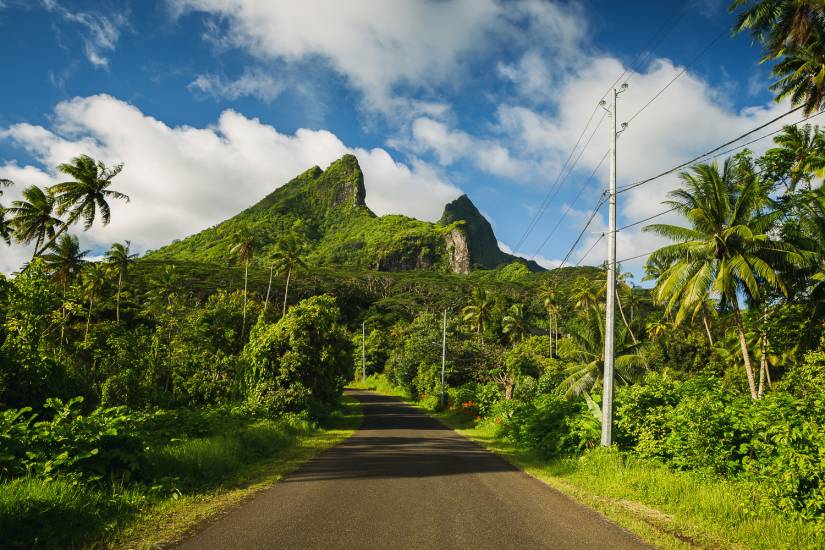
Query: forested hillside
(132, 388)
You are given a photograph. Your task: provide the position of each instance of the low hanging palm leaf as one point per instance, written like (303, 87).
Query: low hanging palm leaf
(778, 24)
(6, 230)
(586, 352)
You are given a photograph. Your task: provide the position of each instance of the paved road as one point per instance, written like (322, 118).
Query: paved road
(403, 480)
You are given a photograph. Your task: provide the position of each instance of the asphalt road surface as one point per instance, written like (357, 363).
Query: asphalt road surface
(403, 480)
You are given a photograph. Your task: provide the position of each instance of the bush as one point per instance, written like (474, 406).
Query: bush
(545, 425)
(302, 361)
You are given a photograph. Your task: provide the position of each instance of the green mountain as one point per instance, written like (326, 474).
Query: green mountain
(343, 231)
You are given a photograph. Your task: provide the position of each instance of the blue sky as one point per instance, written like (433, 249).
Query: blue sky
(212, 104)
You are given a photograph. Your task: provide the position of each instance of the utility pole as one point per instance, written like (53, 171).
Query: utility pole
(610, 298)
(363, 351)
(443, 355)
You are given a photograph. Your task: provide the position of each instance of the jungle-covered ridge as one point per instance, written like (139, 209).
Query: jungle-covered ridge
(135, 388)
(339, 229)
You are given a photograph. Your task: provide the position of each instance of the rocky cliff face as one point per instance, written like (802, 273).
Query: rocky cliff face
(458, 253)
(482, 244)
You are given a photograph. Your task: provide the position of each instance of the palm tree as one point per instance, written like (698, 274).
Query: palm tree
(288, 257)
(727, 248)
(479, 311)
(6, 230)
(515, 322)
(585, 294)
(86, 195)
(119, 259)
(94, 278)
(586, 352)
(548, 296)
(800, 156)
(163, 287)
(34, 217)
(622, 286)
(5, 183)
(656, 328)
(778, 24)
(243, 249)
(64, 261)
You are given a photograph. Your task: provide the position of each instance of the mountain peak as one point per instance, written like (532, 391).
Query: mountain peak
(343, 182)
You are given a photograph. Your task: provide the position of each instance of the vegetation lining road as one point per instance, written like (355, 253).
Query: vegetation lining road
(665, 508)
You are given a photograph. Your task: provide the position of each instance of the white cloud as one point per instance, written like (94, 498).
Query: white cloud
(184, 179)
(380, 46)
(544, 262)
(452, 145)
(100, 32)
(255, 83)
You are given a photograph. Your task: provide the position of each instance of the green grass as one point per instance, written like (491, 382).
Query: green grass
(666, 508)
(191, 481)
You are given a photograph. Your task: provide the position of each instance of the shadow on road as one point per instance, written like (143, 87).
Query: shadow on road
(398, 441)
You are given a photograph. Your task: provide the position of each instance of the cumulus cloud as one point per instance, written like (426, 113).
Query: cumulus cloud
(100, 32)
(381, 46)
(183, 179)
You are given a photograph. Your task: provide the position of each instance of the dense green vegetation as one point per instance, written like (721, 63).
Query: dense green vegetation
(131, 382)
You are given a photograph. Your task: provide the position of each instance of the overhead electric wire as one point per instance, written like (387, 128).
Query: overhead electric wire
(654, 41)
(683, 71)
(630, 186)
(570, 206)
(586, 225)
(554, 189)
(589, 250)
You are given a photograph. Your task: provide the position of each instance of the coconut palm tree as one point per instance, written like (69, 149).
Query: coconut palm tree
(94, 279)
(547, 295)
(64, 262)
(5, 183)
(288, 256)
(6, 230)
(163, 287)
(34, 217)
(585, 293)
(779, 24)
(119, 259)
(726, 250)
(586, 353)
(656, 328)
(515, 322)
(479, 311)
(244, 249)
(85, 195)
(799, 157)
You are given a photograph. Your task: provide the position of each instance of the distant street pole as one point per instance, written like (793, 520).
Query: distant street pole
(443, 355)
(610, 298)
(363, 351)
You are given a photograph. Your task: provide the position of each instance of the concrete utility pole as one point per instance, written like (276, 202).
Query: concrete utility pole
(363, 351)
(610, 298)
(443, 355)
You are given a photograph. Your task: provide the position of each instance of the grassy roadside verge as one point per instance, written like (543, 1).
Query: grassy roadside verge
(666, 508)
(209, 475)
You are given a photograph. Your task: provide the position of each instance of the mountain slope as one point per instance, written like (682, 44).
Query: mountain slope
(343, 231)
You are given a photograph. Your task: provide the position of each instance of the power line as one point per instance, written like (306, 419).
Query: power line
(683, 71)
(654, 41)
(554, 189)
(589, 250)
(586, 225)
(647, 219)
(712, 151)
(572, 203)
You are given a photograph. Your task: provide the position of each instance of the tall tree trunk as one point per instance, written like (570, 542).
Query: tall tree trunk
(286, 290)
(53, 240)
(268, 288)
(63, 315)
(117, 300)
(245, 279)
(763, 348)
(624, 320)
(88, 319)
(744, 345)
(707, 327)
